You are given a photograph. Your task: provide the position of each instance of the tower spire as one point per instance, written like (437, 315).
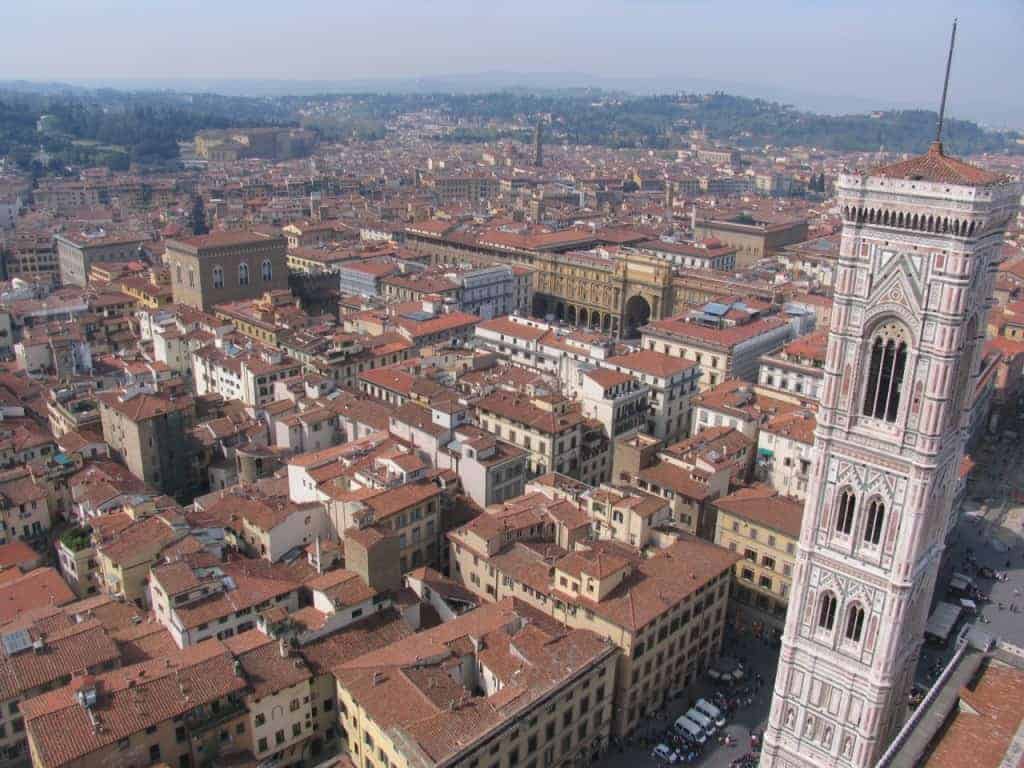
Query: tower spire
(945, 89)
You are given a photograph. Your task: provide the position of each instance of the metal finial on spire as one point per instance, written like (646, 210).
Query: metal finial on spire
(945, 87)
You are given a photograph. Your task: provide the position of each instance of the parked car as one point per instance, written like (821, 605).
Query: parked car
(686, 727)
(702, 720)
(711, 711)
(665, 754)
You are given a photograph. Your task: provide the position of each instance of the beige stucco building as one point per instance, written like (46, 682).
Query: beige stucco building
(663, 609)
(499, 685)
(763, 527)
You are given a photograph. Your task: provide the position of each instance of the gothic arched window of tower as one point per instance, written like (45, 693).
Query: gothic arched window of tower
(886, 368)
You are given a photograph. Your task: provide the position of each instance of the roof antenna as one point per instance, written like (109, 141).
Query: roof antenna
(945, 89)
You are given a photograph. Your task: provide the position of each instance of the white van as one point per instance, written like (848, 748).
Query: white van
(711, 711)
(702, 720)
(686, 726)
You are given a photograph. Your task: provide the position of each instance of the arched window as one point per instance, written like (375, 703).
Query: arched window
(886, 367)
(266, 271)
(827, 611)
(218, 277)
(854, 623)
(847, 506)
(243, 274)
(875, 522)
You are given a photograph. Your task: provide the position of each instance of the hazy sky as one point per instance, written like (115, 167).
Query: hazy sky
(868, 51)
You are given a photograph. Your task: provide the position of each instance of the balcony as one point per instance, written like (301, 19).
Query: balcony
(204, 718)
(633, 421)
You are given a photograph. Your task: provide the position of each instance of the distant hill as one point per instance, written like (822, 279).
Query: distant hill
(116, 127)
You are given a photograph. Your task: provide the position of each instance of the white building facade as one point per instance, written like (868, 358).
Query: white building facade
(918, 257)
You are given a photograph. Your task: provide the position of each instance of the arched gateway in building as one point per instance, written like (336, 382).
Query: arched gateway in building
(637, 313)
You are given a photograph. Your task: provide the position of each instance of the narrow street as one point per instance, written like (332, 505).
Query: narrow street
(758, 657)
(989, 535)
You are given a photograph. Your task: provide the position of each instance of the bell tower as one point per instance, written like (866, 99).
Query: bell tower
(917, 262)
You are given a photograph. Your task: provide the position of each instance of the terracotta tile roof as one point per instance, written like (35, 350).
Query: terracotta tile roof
(70, 650)
(812, 347)
(796, 425)
(661, 582)
(523, 410)
(510, 327)
(263, 666)
(145, 406)
(129, 701)
(146, 640)
(409, 685)
(391, 502)
(936, 166)
(438, 324)
(140, 537)
(720, 338)
(1005, 346)
(666, 475)
(593, 563)
(17, 553)
(376, 631)
(652, 363)
(255, 582)
(419, 417)
(221, 239)
(763, 505)
(442, 585)
(982, 729)
(342, 587)
(606, 377)
(115, 615)
(259, 510)
(43, 586)
(740, 398)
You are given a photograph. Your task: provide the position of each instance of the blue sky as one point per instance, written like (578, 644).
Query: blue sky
(818, 54)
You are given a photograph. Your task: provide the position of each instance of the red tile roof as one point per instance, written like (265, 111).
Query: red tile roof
(129, 701)
(938, 167)
(70, 650)
(765, 506)
(43, 586)
(982, 730)
(723, 338)
(652, 363)
(221, 239)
